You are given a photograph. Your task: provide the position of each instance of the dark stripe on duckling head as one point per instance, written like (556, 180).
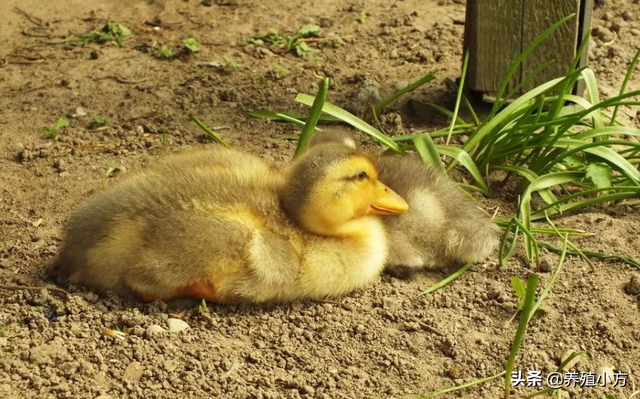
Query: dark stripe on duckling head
(333, 136)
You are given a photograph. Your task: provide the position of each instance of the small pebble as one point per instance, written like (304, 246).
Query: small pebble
(133, 372)
(79, 112)
(176, 325)
(308, 390)
(37, 222)
(60, 164)
(606, 373)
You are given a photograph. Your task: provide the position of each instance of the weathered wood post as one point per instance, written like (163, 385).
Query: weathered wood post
(497, 31)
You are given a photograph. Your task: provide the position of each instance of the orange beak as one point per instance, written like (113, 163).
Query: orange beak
(387, 202)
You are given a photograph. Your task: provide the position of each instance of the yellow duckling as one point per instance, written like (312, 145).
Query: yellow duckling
(225, 226)
(442, 227)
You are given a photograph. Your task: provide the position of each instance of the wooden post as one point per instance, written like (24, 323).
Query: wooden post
(497, 31)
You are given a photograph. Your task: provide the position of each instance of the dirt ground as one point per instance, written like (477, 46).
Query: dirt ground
(387, 341)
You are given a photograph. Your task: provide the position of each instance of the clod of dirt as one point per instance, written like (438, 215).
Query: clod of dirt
(176, 325)
(633, 286)
(49, 354)
(369, 93)
(545, 264)
(60, 164)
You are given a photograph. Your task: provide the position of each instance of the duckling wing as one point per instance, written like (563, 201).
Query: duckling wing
(175, 226)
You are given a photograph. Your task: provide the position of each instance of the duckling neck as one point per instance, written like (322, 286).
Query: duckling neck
(353, 228)
(338, 265)
(360, 228)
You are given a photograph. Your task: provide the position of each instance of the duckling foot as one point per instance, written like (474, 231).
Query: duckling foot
(204, 291)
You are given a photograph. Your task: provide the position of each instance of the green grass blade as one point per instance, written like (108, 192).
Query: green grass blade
(502, 257)
(531, 176)
(378, 108)
(600, 150)
(531, 243)
(463, 386)
(540, 183)
(447, 280)
(456, 108)
(210, 133)
(594, 95)
(500, 118)
(552, 280)
(607, 131)
(352, 120)
(466, 161)
(467, 104)
(314, 114)
(532, 284)
(627, 77)
(275, 115)
(560, 369)
(428, 151)
(287, 118)
(563, 208)
(594, 255)
(516, 63)
(526, 80)
(461, 129)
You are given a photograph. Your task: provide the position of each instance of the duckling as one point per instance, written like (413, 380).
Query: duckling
(442, 227)
(226, 227)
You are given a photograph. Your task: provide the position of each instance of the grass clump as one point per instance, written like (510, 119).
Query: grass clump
(53, 133)
(555, 151)
(111, 32)
(191, 45)
(296, 43)
(229, 64)
(166, 52)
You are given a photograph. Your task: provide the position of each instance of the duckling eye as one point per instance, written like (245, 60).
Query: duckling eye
(362, 175)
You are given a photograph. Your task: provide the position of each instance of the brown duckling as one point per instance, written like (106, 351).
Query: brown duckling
(226, 227)
(442, 227)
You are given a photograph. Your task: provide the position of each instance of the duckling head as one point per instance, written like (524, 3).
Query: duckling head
(334, 135)
(332, 187)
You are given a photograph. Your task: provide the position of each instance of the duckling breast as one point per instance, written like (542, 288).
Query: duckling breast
(334, 266)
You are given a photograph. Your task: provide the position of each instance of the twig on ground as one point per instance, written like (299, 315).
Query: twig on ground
(27, 288)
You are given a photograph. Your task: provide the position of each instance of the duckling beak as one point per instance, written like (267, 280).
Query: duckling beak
(388, 202)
